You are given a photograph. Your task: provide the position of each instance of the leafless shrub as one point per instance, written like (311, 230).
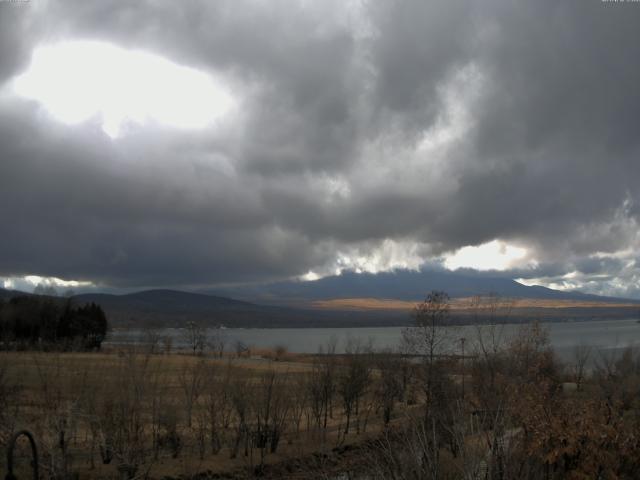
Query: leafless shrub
(280, 352)
(242, 349)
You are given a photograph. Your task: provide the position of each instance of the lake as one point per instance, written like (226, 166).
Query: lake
(603, 335)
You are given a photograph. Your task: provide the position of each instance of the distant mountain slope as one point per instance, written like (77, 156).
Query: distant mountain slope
(167, 300)
(6, 294)
(172, 308)
(346, 300)
(406, 285)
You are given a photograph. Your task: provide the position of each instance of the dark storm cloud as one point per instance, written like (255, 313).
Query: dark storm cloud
(428, 124)
(84, 209)
(14, 38)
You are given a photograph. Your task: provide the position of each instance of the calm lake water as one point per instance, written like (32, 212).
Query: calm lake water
(603, 335)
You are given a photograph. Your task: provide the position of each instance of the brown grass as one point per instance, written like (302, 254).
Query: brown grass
(460, 304)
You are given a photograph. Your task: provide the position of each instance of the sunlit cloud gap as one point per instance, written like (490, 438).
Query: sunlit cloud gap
(80, 80)
(29, 283)
(494, 255)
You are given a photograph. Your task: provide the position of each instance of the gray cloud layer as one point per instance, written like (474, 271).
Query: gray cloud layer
(390, 131)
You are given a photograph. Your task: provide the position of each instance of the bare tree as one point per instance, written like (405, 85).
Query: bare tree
(159, 405)
(191, 378)
(490, 312)
(299, 392)
(217, 405)
(151, 340)
(217, 341)
(322, 384)
(167, 344)
(123, 415)
(270, 408)
(239, 395)
(353, 379)
(195, 336)
(389, 385)
(431, 337)
(242, 349)
(581, 356)
(59, 412)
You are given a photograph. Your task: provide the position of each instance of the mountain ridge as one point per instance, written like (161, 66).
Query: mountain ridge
(408, 285)
(297, 303)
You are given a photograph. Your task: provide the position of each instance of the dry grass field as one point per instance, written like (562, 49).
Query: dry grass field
(509, 409)
(172, 415)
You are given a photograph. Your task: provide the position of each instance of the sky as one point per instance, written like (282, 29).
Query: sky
(189, 144)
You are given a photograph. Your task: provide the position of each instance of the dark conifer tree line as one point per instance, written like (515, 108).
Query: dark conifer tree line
(37, 321)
